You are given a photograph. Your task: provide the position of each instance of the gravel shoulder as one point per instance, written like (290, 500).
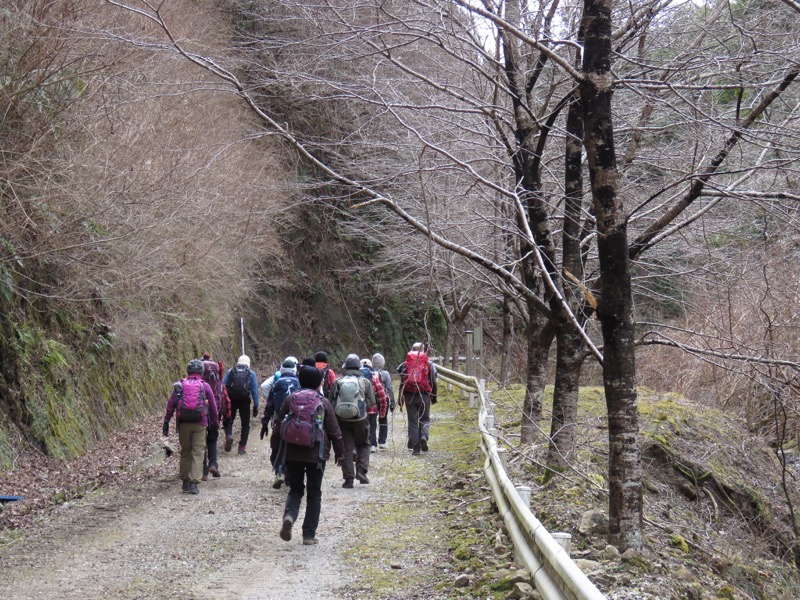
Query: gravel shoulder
(142, 538)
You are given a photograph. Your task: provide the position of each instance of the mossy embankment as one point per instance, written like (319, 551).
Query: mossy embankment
(714, 507)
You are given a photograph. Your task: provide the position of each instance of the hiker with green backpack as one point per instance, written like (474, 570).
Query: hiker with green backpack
(351, 395)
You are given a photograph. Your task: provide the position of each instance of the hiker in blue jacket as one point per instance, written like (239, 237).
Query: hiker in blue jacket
(242, 385)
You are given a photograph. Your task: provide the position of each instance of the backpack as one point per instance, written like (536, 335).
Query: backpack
(326, 382)
(211, 372)
(282, 389)
(239, 383)
(350, 402)
(417, 374)
(192, 402)
(302, 425)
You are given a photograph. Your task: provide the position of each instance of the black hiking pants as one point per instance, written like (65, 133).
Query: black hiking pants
(355, 434)
(303, 477)
(210, 458)
(243, 408)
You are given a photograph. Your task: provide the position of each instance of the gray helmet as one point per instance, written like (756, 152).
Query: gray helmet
(195, 366)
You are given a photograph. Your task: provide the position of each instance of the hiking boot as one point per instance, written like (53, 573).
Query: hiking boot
(362, 477)
(214, 471)
(242, 450)
(348, 483)
(228, 443)
(423, 443)
(193, 488)
(373, 449)
(286, 528)
(383, 446)
(310, 541)
(279, 479)
(415, 453)
(186, 484)
(204, 478)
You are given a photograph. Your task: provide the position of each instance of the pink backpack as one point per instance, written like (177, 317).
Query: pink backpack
(302, 425)
(192, 401)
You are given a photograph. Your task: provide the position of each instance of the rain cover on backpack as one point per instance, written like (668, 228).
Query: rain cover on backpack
(192, 401)
(302, 425)
(350, 403)
(417, 374)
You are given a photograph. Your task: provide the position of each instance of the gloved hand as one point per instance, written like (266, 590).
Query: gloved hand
(391, 406)
(264, 430)
(255, 411)
(165, 429)
(338, 460)
(434, 400)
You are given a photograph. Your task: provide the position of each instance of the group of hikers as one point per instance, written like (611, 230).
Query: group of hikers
(310, 410)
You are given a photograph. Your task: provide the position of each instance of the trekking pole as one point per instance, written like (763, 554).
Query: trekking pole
(241, 328)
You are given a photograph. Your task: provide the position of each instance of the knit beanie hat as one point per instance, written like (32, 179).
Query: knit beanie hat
(352, 362)
(378, 361)
(321, 356)
(309, 362)
(309, 377)
(244, 360)
(206, 356)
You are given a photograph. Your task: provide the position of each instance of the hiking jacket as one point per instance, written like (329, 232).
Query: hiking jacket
(212, 411)
(333, 437)
(253, 384)
(369, 393)
(381, 402)
(269, 408)
(401, 369)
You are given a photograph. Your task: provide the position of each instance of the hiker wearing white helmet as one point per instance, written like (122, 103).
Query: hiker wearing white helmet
(242, 385)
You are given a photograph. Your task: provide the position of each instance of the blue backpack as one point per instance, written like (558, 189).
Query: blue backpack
(282, 389)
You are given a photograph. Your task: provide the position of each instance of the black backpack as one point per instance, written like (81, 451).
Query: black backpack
(239, 383)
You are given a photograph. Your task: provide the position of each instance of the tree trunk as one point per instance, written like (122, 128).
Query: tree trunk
(616, 305)
(569, 364)
(540, 337)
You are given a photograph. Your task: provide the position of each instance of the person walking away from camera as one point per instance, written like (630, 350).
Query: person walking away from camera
(380, 403)
(241, 383)
(195, 408)
(378, 362)
(328, 374)
(212, 374)
(282, 388)
(418, 392)
(309, 428)
(351, 396)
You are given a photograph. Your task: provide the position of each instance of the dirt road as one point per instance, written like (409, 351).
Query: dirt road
(150, 541)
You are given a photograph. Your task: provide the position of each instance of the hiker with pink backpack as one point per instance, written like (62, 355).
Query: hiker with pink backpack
(308, 428)
(195, 408)
(417, 393)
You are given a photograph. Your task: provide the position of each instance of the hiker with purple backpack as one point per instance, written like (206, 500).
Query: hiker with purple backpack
(195, 408)
(308, 428)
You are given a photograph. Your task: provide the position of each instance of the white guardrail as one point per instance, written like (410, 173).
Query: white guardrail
(554, 574)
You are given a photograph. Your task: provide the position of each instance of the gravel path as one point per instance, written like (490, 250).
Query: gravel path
(148, 540)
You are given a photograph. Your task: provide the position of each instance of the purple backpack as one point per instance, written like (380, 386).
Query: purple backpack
(302, 425)
(192, 401)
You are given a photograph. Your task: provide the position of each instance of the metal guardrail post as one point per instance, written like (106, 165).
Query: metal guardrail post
(524, 492)
(502, 453)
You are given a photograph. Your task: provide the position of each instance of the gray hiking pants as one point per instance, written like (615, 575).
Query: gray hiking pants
(418, 408)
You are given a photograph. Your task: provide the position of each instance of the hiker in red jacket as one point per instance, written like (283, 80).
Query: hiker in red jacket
(192, 401)
(418, 392)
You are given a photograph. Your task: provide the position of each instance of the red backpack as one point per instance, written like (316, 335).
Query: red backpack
(302, 425)
(192, 401)
(417, 375)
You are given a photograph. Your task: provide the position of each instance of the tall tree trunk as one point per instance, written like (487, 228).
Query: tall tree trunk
(616, 305)
(569, 343)
(507, 342)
